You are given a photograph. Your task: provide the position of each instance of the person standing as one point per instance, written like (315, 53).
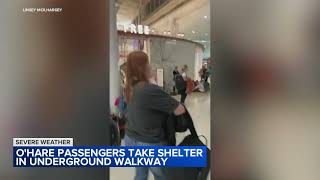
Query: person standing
(203, 73)
(148, 108)
(183, 91)
(175, 73)
(209, 72)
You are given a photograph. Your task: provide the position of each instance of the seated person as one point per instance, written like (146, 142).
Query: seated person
(199, 87)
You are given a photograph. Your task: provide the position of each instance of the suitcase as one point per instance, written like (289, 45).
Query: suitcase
(189, 86)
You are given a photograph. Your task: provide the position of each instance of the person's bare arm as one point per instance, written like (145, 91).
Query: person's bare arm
(179, 110)
(184, 76)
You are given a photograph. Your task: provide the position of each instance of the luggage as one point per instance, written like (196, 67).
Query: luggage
(189, 85)
(180, 82)
(115, 134)
(187, 173)
(120, 123)
(120, 119)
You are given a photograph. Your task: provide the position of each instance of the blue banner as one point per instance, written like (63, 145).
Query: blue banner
(110, 156)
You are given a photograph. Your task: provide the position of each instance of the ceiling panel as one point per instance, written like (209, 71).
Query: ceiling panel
(128, 10)
(192, 19)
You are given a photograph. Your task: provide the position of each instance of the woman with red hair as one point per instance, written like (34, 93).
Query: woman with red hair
(148, 108)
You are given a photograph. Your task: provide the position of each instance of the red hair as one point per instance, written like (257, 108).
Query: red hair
(137, 64)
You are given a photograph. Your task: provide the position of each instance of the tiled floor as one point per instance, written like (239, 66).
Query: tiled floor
(198, 105)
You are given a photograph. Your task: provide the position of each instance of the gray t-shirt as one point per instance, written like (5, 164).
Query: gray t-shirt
(147, 111)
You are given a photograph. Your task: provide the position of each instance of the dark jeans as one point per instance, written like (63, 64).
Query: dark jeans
(183, 94)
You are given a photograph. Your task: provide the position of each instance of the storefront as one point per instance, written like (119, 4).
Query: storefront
(164, 53)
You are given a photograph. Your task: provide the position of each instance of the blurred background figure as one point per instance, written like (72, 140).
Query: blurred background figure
(175, 73)
(183, 89)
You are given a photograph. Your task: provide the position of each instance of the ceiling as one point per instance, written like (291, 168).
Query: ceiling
(127, 10)
(192, 18)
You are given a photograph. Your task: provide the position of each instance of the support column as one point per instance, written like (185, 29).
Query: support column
(173, 26)
(114, 84)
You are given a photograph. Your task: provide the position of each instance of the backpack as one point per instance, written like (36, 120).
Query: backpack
(180, 82)
(182, 124)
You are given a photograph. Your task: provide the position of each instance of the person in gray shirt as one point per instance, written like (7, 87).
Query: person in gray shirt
(148, 108)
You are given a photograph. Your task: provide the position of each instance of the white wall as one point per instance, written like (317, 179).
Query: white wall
(167, 54)
(198, 63)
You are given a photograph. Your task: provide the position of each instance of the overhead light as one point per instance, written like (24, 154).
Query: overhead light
(166, 32)
(180, 34)
(152, 30)
(205, 17)
(193, 32)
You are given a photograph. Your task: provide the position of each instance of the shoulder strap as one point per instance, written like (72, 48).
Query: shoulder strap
(190, 124)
